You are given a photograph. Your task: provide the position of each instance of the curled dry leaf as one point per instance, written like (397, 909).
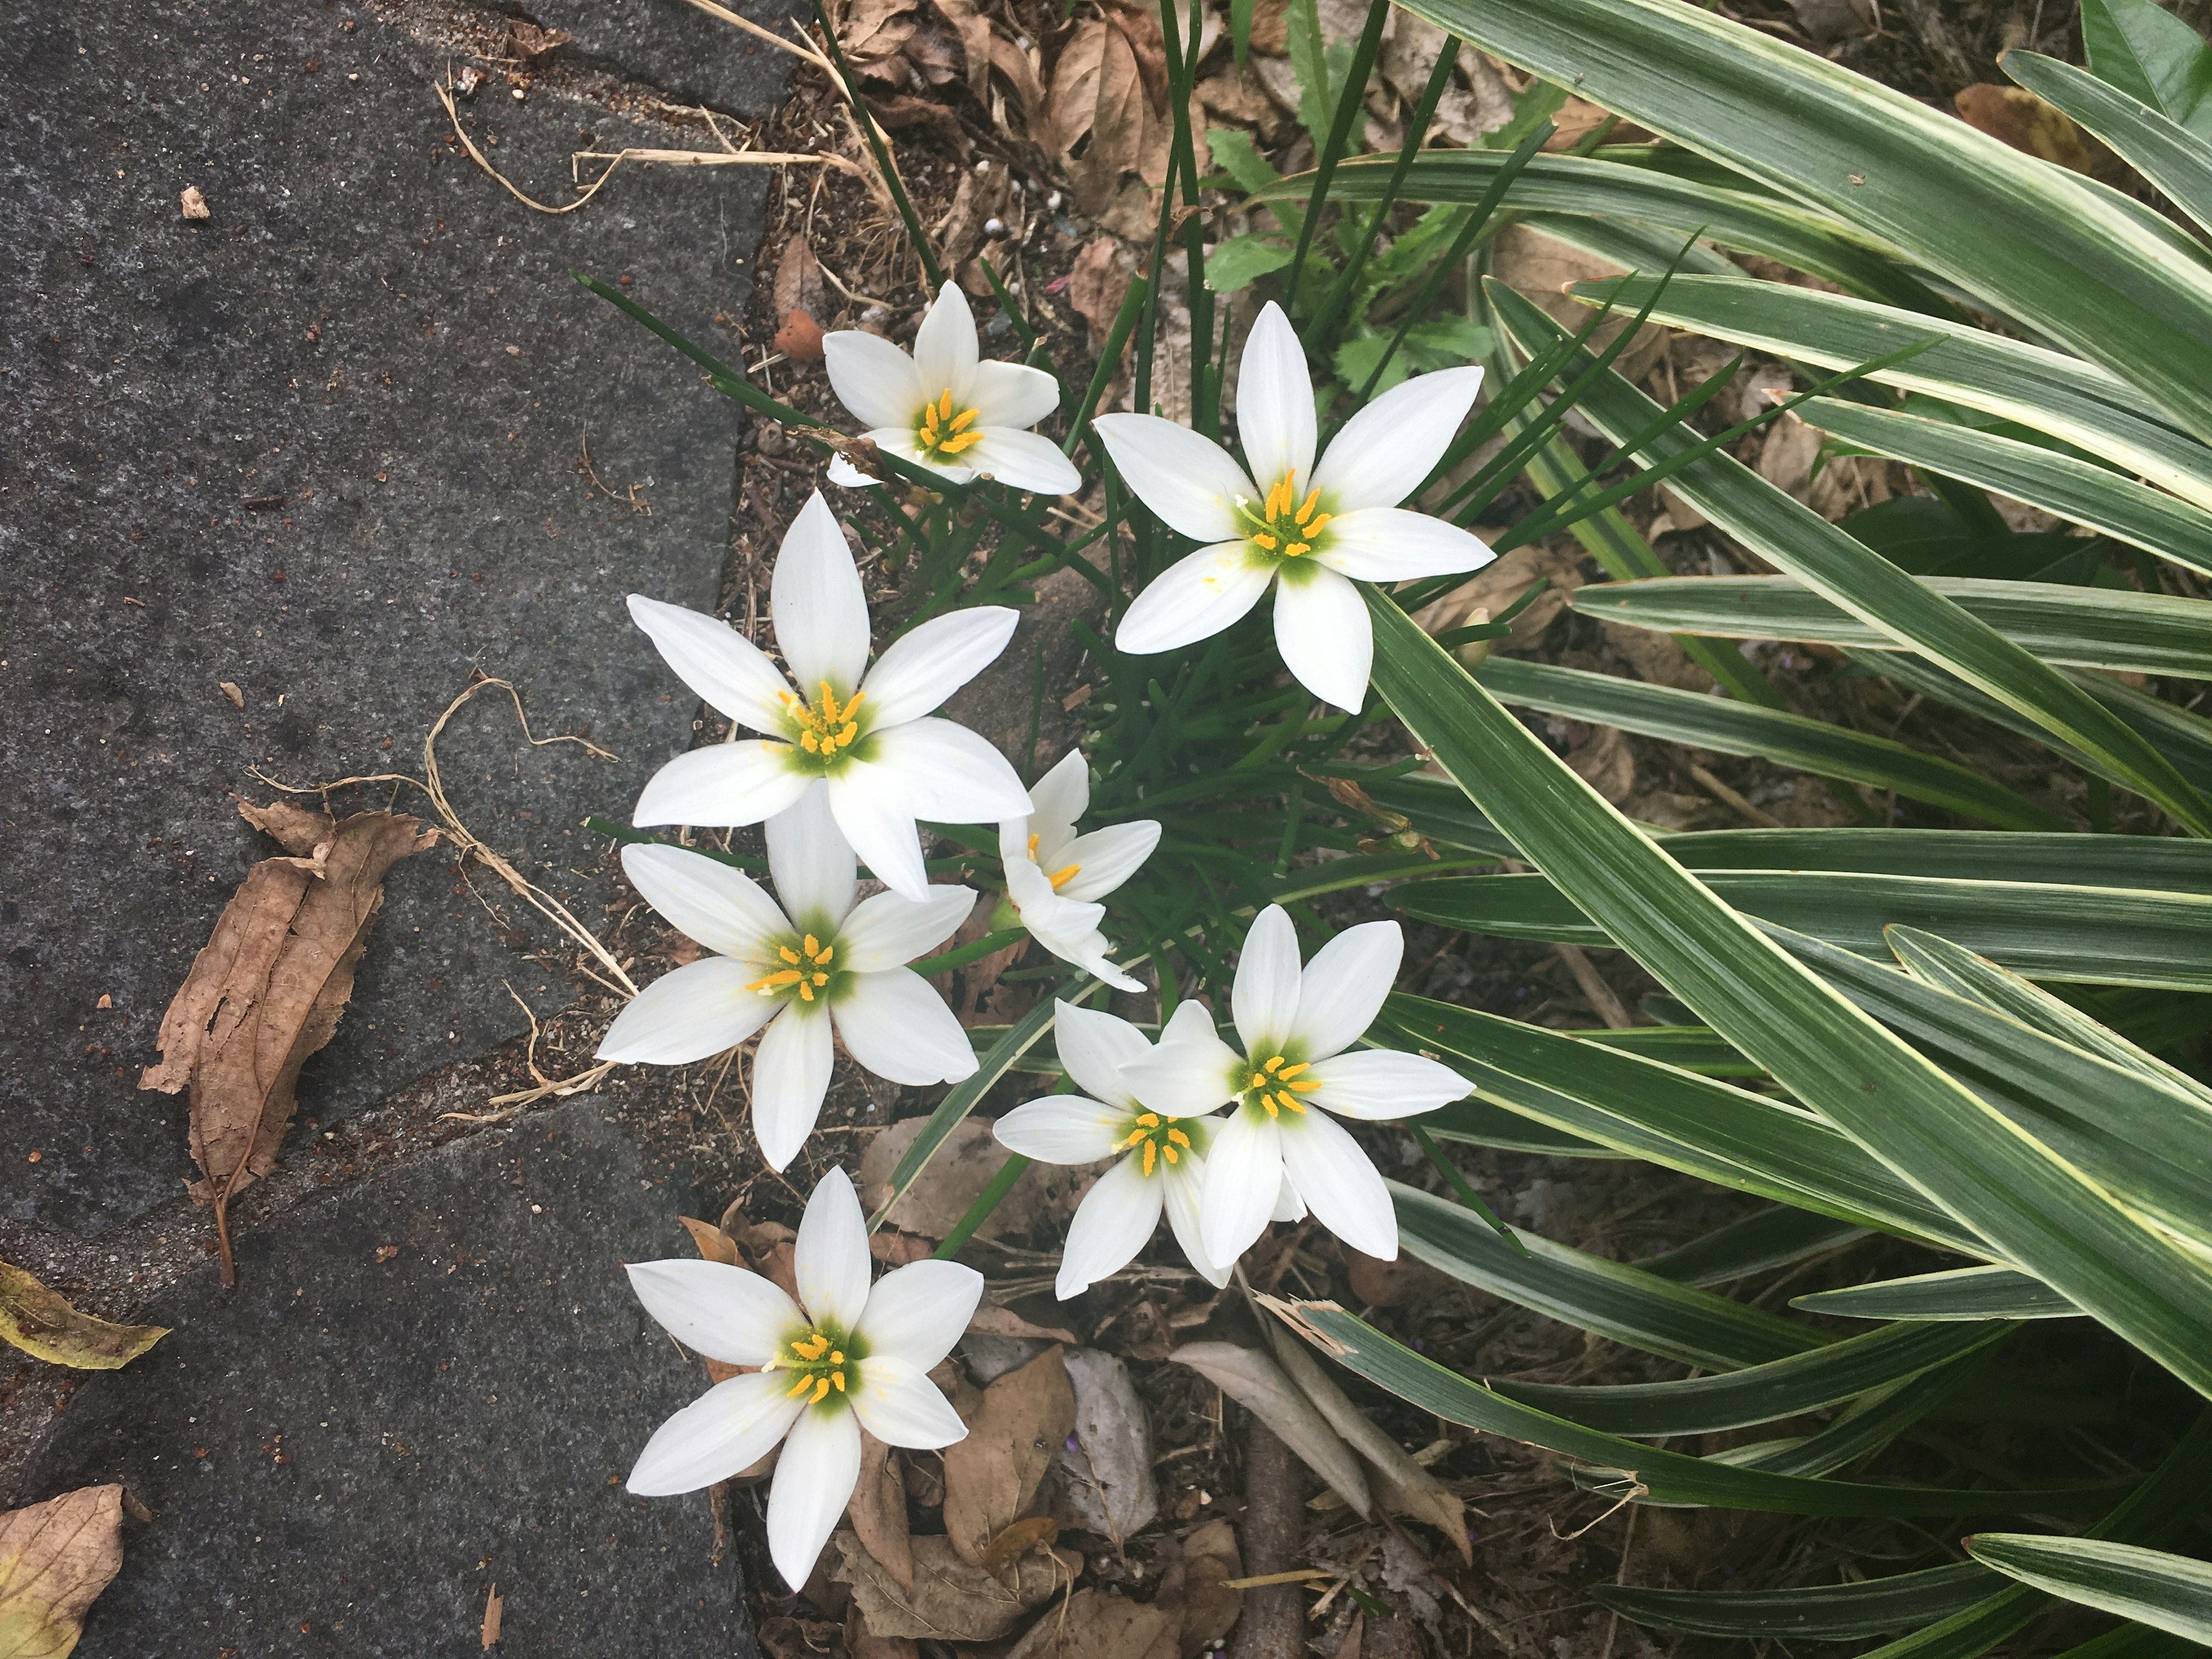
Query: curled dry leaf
(2015, 116)
(1251, 1377)
(1106, 1480)
(1403, 1487)
(1095, 1626)
(268, 989)
(1198, 1581)
(1098, 282)
(55, 1559)
(1024, 1535)
(494, 1614)
(786, 1637)
(952, 1600)
(874, 38)
(991, 1319)
(43, 1324)
(877, 1511)
(1017, 1428)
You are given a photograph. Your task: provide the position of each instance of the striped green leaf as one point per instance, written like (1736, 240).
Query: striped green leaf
(1668, 1117)
(2035, 1210)
(2165, 864)
(1800, 543)
(1690, 1047)
(2086, 627)
(1642, 1309)
(1765, 1239)
(1795, 740)
(2091, 935)
(1833, 1612)
(2024, 237)
(1478, 1123)
(1761, 1393)
(2171, 1593)
(2176, 160)
(1865, 1429)
(2044, 390)
(1967, 1293)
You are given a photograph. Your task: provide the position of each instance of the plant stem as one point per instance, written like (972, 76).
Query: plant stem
(979, 1211)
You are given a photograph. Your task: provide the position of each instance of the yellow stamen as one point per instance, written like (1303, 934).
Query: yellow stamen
(1297, 550)
(1269, 1101)
(1292, 1102)
(1291, 1071)
(1151, 1156)
(772, 981)
(810, 743)
(1059, 878)
(1306, 512)
(821, 1390)
(1308, 1086)
(788, 954)
(822, 959)
(1150, 1119)
(838, 1378)
(806, 992)
(799, 1388)
(1173, 1155)
(945, 405)
(1274, 1064)
(1033, 847)
(961, 419)
(1257, 1082)
(1262, 538)
(812, 945)
(1179, 1137)
(837, 1358)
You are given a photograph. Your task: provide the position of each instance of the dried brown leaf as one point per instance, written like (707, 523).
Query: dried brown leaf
(1139, 25)
(1024, 1534)
(713, 1244)
(786, 1638)
(43, 1324)
(905, 110)
(1397, 1284)
(1251, 1377)
(1098, 284)
(55, 1559)
(877, 1511)
(1095, 1626)
(494, 1614)
(1106, 1482)
(1606, 762)
(952, 1600)
(2015, 116)
(1197, 1580)
(798, 285)
(528, 41)
(991, 1319)
(875, 36)
(1044, 1196)
(192, 204)
(991, 1477)
(266, 992)
(974, 29)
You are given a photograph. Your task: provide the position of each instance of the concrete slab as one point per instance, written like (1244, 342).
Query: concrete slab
(429, 1385)
(322, 444)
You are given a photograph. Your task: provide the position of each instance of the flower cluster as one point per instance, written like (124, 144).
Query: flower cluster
(849, 756)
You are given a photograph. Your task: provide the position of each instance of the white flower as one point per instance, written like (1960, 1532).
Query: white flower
(869, 743)
(1054, 877)
(1294, 1026)
(1342, 521)
(1165, 1162)
(796, 969)
(943, 409)
(850, 1359)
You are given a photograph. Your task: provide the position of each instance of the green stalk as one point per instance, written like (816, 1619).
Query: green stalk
(1348, 106)
(1467, 1194)
(979, 1211)
(1117, 336)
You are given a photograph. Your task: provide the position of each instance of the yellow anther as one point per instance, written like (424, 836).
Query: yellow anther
(1262, 538)
(1274, 1064)
(1269, 1101)
(1292, 1102)
(963, 419)
(1149, 1120)
(824, 957)
(799, 1388)
(1173, 1155)
(1292, 1071)
(821, 1390)
(823, 979)
(1033, 847)
(810, 743)
(806, 992)
(837, 1358)
(1258, 1081)
(1297, 550)
(838, 1378)
(846, 733)
(1151, 1156)
(812, 1348)
(788, 954)
(1061, 877)
(1179, 1137)
(945, 405)
(811, 946)
(1308, 1085)
(1313, 500)
(775, 981)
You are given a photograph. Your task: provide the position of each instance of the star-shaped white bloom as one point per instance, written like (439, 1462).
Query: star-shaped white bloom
(1056, 877)
(1295, 1024)
(1303, 527)
(842, 1358)
(816, 960)
(944, 409)
(1165, 1161)
(869, 743)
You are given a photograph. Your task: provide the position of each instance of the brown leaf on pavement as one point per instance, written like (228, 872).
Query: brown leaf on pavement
(55, 1559)
(952, 1600)
(495, 1612)
(1096, 1626)
(991, 1477)
(877, 1511)
(268, 989)
(43, 1324)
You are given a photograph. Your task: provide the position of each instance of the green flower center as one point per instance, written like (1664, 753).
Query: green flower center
(1285, 527)
(941, 433)
(826, 730)
(823, 1361)
(807, 969)
(1274, 1084)
(1160, 1142)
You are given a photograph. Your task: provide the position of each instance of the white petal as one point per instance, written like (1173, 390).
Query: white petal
(1067, 927)
(1342, 988)
(917, 1312)
(1265, 1000)
(925, 666)
(1184, 1188)
(1275, 402)
(1289, 1207)
(872, 378)
(1011, 394)
(730, 1427)
(724, 784)
(1244, 1177)
(721, 1311)
(1063, 1129)
(1194, 599)
(902, 441)
(1381, 1083)
(812, 861)
(722, 665)
(700, 1009)
(944, 347)
(1322, 631)
(1380, 456)
(829, 1261)
(1389, 544)
(1111, 1225)
(815, 598)
(889, 931)
(843, 473)
(1023, 460)
(1106, 858)
(703, 897)
(1191, 1071)
(1188, 480)
(897, 1403)
(900, 1029)
(791, 1073)
(948, 775)
(1340, 1185)
(1063, 794)
(814, 1481)
(1094, 1046)
(873, 816)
